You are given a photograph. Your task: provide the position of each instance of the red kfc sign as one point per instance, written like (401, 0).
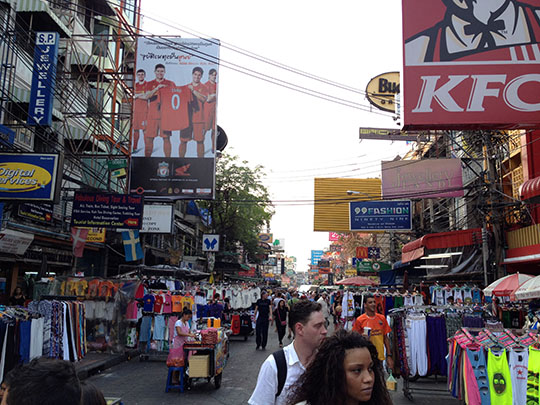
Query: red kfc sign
(471, 64)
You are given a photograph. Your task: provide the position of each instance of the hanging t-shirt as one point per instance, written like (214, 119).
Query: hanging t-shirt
(447, 294)
(439, 297)
(467, 296)
(418, 299)
(379, 304)
(519, 362)
(476, 297)
(458, 295)
(177, 303)
(533, 375)
(158, 304)
(148, 303)
(347, 305)
(500, 383)
(140, 292)
(131, 312)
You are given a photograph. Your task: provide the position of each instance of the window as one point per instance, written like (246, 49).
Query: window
(101, 37)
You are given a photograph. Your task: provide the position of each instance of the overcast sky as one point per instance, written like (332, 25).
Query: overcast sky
(295, 136)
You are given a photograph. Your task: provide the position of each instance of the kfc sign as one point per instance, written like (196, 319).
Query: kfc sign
(471, 64)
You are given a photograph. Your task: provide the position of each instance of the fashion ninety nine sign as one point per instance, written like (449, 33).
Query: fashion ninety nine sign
(380, 216)
(471, 64)
(43, 78)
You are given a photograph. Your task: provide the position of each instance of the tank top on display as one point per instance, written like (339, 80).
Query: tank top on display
(458, 295)
(408, 300)
(478, 363)
(439, 297)
(467, 296)
(500, 383)
(533, 395)
(519, 361)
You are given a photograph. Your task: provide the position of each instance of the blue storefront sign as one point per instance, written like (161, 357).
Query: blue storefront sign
(316, 256)
(43, 78)
(28, 176)
(380, 215)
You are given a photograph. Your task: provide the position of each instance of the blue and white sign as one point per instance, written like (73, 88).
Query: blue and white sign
(380, 215)
(210, 243)
(316, 255)
(43, 78)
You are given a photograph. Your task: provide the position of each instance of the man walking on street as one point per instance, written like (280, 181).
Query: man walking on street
(378, 332)
(324, 306)
(283, 368)
(263, 316)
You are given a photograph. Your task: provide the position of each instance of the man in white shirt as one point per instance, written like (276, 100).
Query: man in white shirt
(322, 300)
(307, 322)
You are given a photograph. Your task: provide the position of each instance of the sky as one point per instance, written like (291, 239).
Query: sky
(295, 136)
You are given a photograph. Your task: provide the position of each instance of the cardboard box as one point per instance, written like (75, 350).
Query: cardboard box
(199, 366)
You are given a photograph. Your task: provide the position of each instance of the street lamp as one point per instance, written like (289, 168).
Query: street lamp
(353, 192)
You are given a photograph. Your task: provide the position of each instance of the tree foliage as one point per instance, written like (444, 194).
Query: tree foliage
(242, 206)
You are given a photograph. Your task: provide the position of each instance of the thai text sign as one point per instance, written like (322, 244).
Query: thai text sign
(471, 64)
(43, 78)
(429, 178)
(380, 216)
(107, 210)
(28, 176)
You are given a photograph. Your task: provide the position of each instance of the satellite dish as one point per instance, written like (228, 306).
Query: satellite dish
(222, 140)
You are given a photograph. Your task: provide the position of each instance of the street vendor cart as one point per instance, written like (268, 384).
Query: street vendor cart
(207, 358)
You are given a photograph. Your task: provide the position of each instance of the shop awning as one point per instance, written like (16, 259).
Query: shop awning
(530, 190)
(443, 240)
(48, 21)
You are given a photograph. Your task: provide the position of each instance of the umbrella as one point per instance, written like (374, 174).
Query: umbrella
(357, 281)
(529, 289)
(506, 286)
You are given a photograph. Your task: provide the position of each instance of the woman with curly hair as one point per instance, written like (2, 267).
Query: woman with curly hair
(346, 370)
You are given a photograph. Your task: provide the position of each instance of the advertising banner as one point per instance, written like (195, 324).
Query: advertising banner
(471, 64)
(28, 176)
(36, 212)
(364, 252)
(381, 91)
(391, 134)
(429, 178)
(157, 219)
(210, 243)
(103, 210)
(333, 236)
(316, 255)
(174, 118)
(15, 242)
(266, 237)
(43, 78)
(380, 216)
(96, 235)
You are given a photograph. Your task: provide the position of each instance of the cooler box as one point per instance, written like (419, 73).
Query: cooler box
(199, 366)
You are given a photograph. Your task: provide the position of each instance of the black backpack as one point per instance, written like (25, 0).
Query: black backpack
(281, 364)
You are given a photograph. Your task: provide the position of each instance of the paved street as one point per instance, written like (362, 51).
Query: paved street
(139, 382)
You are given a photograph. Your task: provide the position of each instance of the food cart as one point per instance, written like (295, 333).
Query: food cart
(207, 358)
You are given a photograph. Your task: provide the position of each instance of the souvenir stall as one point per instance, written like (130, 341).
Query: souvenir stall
(21, 337)
(419, 335)
(498, 367)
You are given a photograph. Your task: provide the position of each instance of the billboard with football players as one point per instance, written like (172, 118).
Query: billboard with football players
(471, 64)
(174, 118)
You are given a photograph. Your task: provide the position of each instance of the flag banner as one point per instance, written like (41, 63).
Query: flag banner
(78, 237)
(132, 245)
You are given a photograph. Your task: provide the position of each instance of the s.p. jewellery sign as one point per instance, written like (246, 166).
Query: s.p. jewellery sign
(28, 176)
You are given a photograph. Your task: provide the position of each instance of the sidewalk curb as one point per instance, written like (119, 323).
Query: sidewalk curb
(85, 370)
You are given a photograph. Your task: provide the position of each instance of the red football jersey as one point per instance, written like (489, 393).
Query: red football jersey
(140, 105)
(155, 100)
(198, 114)
(210, 106)
(174, 107)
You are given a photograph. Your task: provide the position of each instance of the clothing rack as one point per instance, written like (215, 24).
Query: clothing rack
(58, 298)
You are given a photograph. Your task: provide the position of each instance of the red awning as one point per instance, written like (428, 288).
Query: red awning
(442, 240)
(530, 189)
